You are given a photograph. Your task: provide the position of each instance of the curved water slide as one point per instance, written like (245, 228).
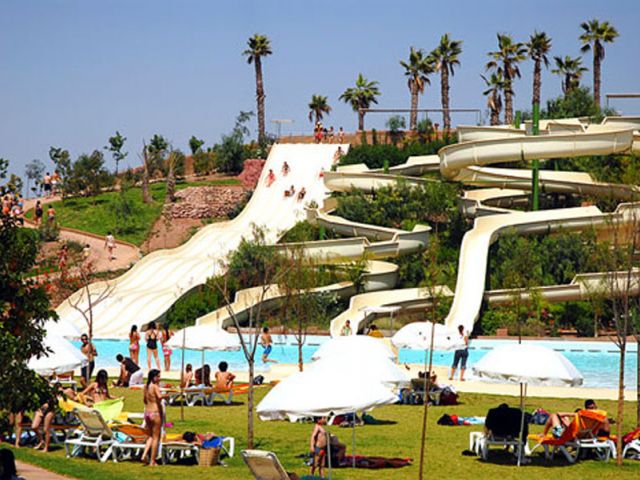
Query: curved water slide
(146, 291)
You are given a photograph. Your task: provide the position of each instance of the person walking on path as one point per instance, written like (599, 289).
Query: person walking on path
(38, 211)
(51, 214)
(460, 356)
(110, 245)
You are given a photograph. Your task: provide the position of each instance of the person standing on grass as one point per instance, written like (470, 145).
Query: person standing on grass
(267, 344)
(153, 414)
(318, 446)
(134, 344)
(89, 351)
(460, 356)
(110, 245)
(152, 345)
(165, 335)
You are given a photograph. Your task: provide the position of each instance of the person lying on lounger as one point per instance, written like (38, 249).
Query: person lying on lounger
(558, 422)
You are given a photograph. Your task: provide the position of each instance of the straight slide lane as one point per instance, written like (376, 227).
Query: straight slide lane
(146, 291)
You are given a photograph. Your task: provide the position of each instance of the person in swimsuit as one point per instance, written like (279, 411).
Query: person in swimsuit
(43, 417)
(130, 373)
(271, 177)
(90, 352)
(98, 391)
(318, 446)
(165, 335)
(224, 378)
(152, 345)
(267, 344)
(340, 135)
(134, 344)
(46, 183)
(346, 329)
(51, 214)
(153, 414)
(285, 169)
(38, 213)
(186, 379)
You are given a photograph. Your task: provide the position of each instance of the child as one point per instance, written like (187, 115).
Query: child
(318, 446)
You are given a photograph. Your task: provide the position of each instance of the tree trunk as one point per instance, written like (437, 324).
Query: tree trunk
(508, 103)
(537, 81)
(444, 90)
(361, 120)
(413, 116)
(260, 99)
(250, 407)
(596, 76)
(495, 113)
(146, 196)
(620, 416)
(171, 183)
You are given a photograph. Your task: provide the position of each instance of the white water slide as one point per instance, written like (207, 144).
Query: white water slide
(147, 290)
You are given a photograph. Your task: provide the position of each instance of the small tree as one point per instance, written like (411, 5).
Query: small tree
(62, 161)
(123, 208)
(34, 171)
(195, 144)
(172, 162)
(256, 266)
(396, 124)
(230, 152)
(116, 143)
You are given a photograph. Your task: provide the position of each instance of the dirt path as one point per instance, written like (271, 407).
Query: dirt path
(31, 472)
(125, 253)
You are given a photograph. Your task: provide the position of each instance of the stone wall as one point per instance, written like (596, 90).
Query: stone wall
(206, 202)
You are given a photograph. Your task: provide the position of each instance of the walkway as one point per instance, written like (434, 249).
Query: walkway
(125, 253)
(31, 472)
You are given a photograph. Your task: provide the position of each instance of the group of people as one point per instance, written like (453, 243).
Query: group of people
(202, 377)
(288, 192)
(13, 206)
(322, 134)
(51, 183)
(154, 337)
(38, 213)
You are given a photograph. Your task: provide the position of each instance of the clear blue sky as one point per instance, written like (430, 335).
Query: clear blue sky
(74, 71)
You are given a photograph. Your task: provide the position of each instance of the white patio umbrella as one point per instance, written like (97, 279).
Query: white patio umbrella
(527, 364)
(64, 357)
(62, 328)
(362, 345)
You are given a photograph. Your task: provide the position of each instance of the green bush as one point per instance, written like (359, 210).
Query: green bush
(49, 231)
(374, 156)
(192, 305)
(204, 162)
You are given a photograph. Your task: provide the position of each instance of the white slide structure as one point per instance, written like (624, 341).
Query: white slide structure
(147, 290)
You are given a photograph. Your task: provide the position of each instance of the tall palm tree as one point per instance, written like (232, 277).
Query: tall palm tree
(318, 107)
(417, 69)
(594, 36)
(495, 84)
(259, 46)
(571, 70)
(446, 56)
(505, 64)
(538, 46)
(361, 96)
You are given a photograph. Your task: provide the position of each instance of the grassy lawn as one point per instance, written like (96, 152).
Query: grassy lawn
(398, 438)
(96, 215)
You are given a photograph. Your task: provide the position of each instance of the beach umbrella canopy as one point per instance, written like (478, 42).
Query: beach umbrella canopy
(375, 368)
(417, 336)
(204, 337)
(360, 345)
(64, 357)
(320, 391)
(528, 363)
(62, 328)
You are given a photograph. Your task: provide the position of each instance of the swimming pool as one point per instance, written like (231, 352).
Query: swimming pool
(598, 361)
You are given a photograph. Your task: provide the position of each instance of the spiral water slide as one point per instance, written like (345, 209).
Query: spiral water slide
(146, 291)
(465, 162)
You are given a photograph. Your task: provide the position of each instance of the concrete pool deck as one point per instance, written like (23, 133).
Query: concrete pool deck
(278, 372)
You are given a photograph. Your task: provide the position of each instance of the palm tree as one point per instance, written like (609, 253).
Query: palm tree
(361, 96)
(505, 63)
(259, 46)
(446, 57)
(538, 47)
(318, 107)
(418, 70)
(495, 84)
(571, 70)
(594, 37)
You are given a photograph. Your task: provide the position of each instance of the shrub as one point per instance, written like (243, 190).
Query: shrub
(374, 156)
(204, 162)
(192, 305)
(49, 231)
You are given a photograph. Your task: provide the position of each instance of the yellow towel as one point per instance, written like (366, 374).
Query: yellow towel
(110, 409)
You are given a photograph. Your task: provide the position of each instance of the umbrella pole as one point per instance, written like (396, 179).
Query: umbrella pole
(523, 394)
(181, 379)
(329, 453)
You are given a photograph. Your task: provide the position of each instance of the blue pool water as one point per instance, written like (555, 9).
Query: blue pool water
(598, 361)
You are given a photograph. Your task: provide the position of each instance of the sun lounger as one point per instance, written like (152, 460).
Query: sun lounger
(581, 434)
(95, 435)
(632, 445)
(265, 465)
(502, 429)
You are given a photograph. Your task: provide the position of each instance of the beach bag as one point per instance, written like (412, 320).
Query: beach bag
(259, 380)
(208, 456)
